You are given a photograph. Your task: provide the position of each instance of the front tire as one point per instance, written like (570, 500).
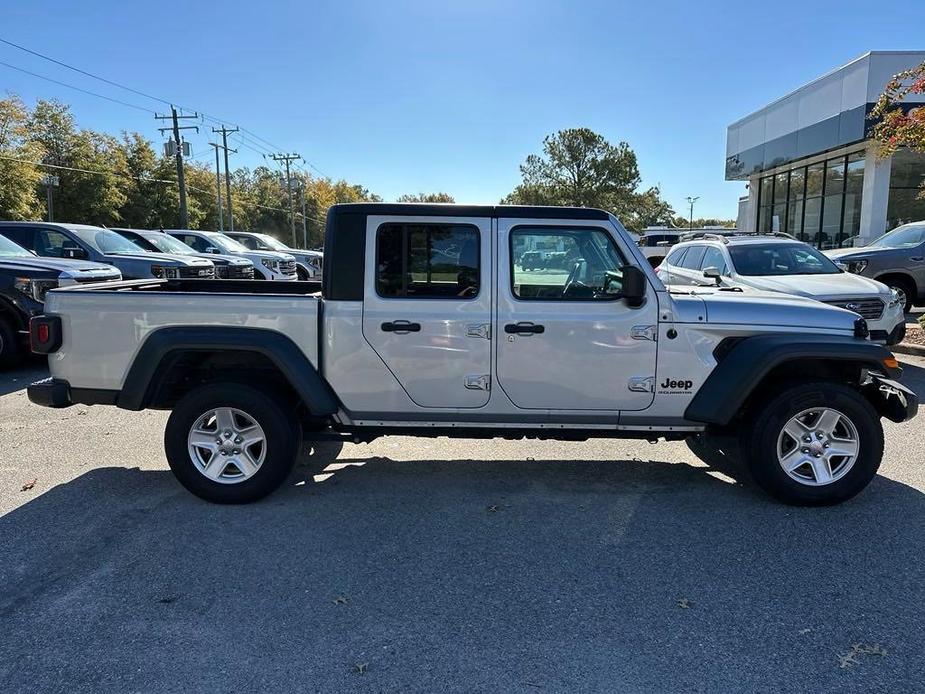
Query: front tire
(11, 352)
(814, 445)
(231, 443)
(905, 289)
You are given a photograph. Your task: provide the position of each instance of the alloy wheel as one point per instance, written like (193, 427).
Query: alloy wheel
(818, 446)
(227, 445)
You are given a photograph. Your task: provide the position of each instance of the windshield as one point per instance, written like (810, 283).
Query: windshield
(225, 244)
(8, 249)
(106, 241)
(780, 259)
(275, 244)
(906, 236)
(166, 243)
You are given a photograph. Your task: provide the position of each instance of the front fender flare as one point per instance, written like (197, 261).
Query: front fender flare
(750, 360)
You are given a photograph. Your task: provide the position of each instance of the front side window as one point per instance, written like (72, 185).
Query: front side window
(53, 244)
(106, 241)
(780, 259)
(427, 261)
(576, 263)
(8, 249)
(675, 257)
(197, 243)
(714, 258)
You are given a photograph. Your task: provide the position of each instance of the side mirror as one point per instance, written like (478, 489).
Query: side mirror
(211, 249)
(713, 274)
(842, 266)
(634, 285)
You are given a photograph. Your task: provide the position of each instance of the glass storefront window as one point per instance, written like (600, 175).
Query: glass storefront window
(767, 185)
(907, 201)
(797, 179)
(795, 218)
(811, 219)
(779, 217)
(780, 187)
(814, 176)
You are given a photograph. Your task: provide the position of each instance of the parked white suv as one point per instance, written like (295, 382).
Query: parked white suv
(268, 265)
(779, 263)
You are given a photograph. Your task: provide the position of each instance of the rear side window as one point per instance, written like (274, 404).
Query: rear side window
(691, 260)
(427, 261)
(196, 242)
(24, 237)
(676, 256)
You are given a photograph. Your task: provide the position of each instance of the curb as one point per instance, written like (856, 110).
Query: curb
(908, 348)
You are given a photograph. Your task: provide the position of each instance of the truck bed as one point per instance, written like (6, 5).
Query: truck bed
(107, 324)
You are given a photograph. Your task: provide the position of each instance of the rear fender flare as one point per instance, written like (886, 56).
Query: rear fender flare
(161, 345)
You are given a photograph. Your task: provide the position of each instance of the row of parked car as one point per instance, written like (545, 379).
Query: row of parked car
(880, 281)
(36, 257)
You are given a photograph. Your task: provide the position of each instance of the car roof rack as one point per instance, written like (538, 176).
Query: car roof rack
(732, 233)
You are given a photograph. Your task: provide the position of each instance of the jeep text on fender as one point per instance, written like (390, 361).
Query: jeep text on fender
(428, 323)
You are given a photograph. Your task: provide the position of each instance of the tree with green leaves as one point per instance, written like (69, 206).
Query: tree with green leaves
(19, 180)
(426, 197)
(580, 168)
(91, 187)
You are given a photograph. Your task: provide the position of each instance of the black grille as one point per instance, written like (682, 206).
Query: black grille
(287, 267)
(197, 272)
(871, 309)
(239, 272)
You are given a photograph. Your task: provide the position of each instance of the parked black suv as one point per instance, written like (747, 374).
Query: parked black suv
(24, 281)
(232, 267)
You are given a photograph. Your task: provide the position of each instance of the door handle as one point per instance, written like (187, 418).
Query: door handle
(524, 329)
(401, 327)
(916, 258)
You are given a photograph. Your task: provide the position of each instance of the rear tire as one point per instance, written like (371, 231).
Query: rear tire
(231, 443)
(813, 445)
(11, 352)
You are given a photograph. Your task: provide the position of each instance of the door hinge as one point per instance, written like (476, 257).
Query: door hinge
(642, 384)
(478, 382)
(479, 330)
(644, 332)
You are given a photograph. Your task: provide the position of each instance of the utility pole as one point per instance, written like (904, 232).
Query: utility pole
(218, 188)
(225, 132)
(304, 222)
(287, 158)
(181, 181)
(50, 182)
(691, 202)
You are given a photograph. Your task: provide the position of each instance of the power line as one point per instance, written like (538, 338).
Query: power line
(214, 119)
(71, 86)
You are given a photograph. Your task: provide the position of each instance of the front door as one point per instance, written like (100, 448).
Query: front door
(566, 340)
(427, 306)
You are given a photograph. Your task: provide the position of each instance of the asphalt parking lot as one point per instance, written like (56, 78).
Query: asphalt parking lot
(436, 565)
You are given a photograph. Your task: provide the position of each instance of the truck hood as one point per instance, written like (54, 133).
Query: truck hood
(165, 259)
(844, 285)
(845, 254)
(68, 268)
(268, 255)
(221, 259)
(767, 309)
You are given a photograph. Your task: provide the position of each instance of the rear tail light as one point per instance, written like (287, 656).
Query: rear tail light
(44, 334)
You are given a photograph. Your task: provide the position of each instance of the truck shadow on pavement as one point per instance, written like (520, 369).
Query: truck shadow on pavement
(465, 575)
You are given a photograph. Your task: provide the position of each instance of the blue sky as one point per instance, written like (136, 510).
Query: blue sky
(424, 96)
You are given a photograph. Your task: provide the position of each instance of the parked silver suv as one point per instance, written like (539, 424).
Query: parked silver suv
(897, 259)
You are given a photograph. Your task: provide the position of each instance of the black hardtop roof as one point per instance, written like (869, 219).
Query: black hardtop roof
(453, 210)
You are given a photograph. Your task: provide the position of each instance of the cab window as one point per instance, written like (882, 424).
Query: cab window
(564, 263)
(427, 261)
(196, 242)
(676, 256)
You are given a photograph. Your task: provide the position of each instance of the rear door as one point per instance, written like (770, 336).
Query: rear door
(427, 306)
(688, 271)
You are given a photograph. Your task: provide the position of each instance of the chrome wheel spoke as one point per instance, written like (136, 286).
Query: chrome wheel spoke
(203, 439)
(828, 420)
(821, 470)
(796, 430)
(842, 447)
(215, 467)
(793, 460)
(224, 420)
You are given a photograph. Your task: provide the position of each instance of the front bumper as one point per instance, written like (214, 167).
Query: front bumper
(896, 402)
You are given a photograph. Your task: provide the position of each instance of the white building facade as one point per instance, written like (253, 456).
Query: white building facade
(812, 169)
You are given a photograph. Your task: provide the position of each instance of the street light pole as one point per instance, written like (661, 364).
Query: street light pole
(691, 201)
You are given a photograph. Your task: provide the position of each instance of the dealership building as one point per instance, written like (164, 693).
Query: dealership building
(811, 168)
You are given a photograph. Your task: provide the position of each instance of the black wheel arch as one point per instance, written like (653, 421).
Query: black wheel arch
(752, 365)
(160, 371)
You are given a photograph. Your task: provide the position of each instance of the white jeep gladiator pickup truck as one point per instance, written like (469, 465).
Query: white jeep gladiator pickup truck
(425, 324)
